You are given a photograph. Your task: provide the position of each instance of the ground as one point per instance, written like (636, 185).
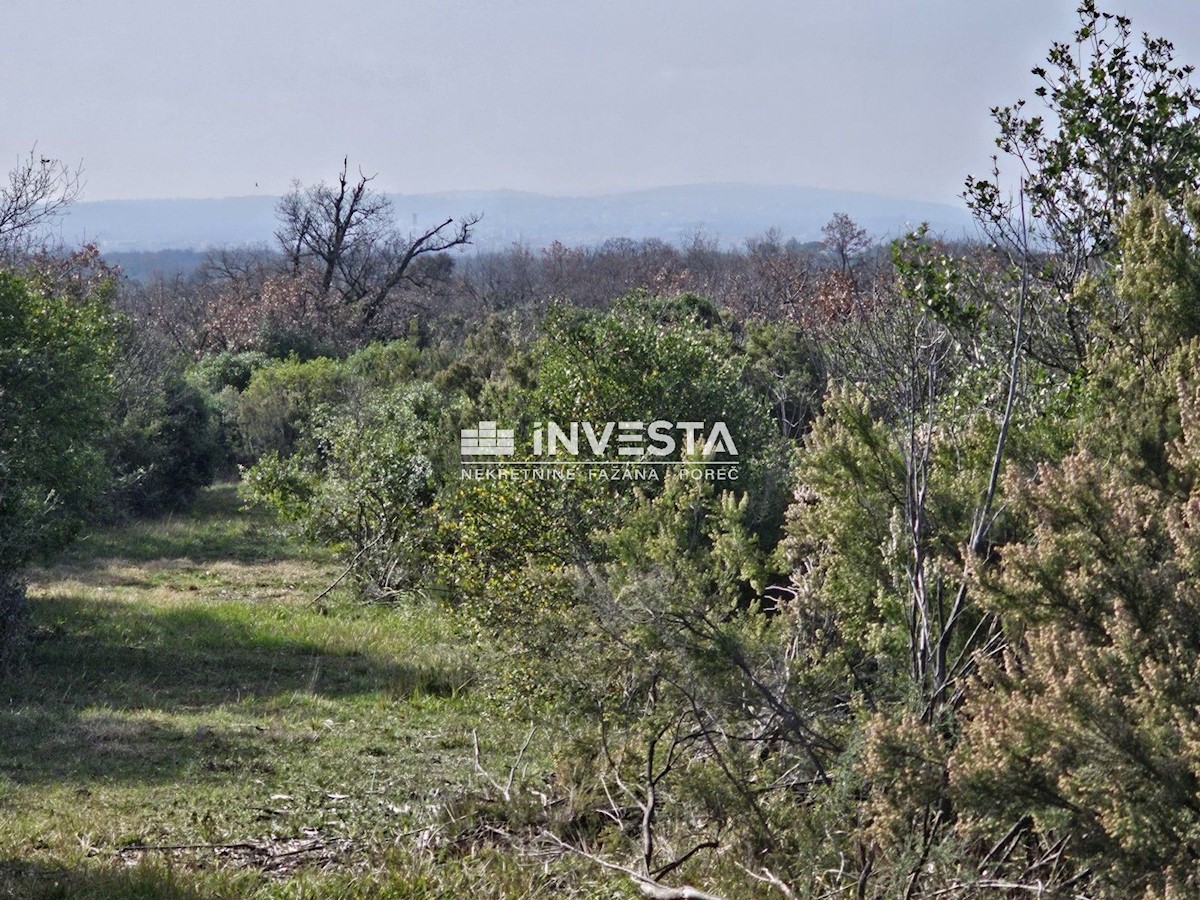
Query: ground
(190, 723)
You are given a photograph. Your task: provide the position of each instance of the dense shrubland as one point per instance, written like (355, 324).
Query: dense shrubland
(941, 637)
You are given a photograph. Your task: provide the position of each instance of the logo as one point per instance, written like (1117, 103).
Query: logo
(630, 450)
(487, 440)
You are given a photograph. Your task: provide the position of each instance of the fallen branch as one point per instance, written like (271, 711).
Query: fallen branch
(311, 847)
(996, 884)
(137, 848)
(663, 871)
(315, 845)
(647, 885)
(350, 568)
(769, 877)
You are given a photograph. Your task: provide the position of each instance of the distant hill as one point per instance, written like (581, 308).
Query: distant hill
(728, 212)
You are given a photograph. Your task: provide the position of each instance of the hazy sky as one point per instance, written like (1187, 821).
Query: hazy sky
(163, 99)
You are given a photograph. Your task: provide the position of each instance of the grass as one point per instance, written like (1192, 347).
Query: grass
(184, 691)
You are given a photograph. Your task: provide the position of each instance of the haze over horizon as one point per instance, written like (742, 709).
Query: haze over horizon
(729, 214)
(235, 100)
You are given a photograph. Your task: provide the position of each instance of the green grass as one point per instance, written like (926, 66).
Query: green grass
(216, 528)
(183, 689)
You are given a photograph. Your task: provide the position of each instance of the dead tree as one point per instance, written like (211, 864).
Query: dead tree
(345, 236)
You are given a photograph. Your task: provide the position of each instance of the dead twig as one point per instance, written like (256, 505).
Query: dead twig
(138, 848)
(647, 885)
(506, 790)
(350, 568)
(769, 877)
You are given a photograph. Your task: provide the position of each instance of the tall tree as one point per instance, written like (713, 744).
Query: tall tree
(345, 235)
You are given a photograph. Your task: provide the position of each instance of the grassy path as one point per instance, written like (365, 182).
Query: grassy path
(184, 691)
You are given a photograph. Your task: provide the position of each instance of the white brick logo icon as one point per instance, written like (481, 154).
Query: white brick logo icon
(487, 440)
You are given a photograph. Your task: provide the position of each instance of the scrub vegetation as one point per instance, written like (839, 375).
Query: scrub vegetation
(903, 602)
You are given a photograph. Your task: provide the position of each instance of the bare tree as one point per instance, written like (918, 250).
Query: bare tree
(346, 235)
(39, 189)
(845, 240)
(771, 280)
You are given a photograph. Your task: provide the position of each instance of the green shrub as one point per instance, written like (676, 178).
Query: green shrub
(279, 402)
(649, 360)
(363, 482)
(385, 365)
(228, 368)
(55, 394)
(55, 390)
(165, 444)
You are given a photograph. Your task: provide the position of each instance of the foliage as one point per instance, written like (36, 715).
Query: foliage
(228, 368)
(1097, 685)
(55, 359)
(364, 484)
(1158, 286)
(274, 410)
(1119, 122)
(644, 361)
(163, 439)
(786, 367)
(1099, 690)
(165, 442)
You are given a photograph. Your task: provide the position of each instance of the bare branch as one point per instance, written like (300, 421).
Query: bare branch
(346, 234)
(506, 789)
(647, 885)
(39, 190)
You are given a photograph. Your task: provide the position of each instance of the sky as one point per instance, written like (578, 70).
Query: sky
(157, 98)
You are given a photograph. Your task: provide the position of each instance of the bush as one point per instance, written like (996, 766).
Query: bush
(385, 365)
(166, 446)
(227, 369)
(363, 484)
(55, 358)
(648, 360)
(280, 401)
